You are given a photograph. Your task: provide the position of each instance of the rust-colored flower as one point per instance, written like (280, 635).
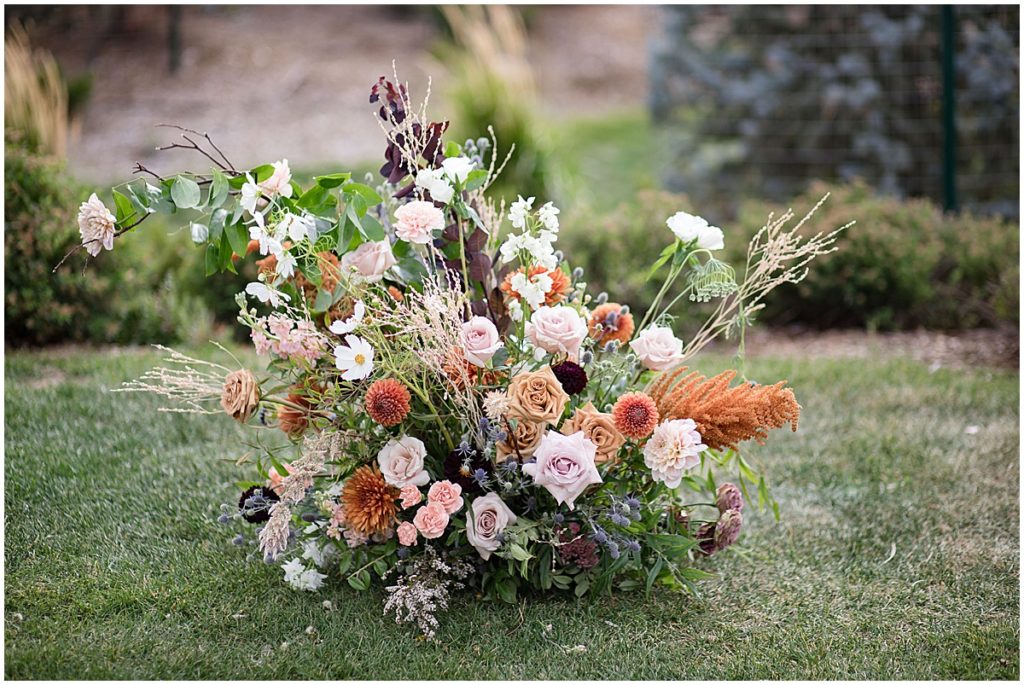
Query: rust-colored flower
(240, 395)
(597, 427)
(387, 401)
(536, 396)
(560, 284)
(524, 438)
(330, 270)
(615, 324)
(369, 501)
(395, 293)
(294, 420)
(725, 416)
(636, 415)
(457, 369)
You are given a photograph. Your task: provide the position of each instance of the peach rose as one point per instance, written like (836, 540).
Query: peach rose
(536, 396)
(557, 330)
(489, 518)
(406, 534)
(657, 348)
(447, 494)
(431, 519)
(564, 466)
(416, 222)
(599, 428)
(480, 340)
(240, 395)
(401, 462)
(525, 437)
(411, 496)
(370, 260)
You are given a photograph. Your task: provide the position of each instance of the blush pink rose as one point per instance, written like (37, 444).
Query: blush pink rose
(565, 465)
(406, 534)
(447, 494)
(416, 222)
(401, 462)
(411, 496)
(657, 348)
(489, 518)
(480, 340)
(431, 519)
(280, 182)
(370, 260)
(557, 330)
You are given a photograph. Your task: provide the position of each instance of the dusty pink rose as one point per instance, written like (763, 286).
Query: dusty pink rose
(401, 462)
(406, 534)
(657, 348)
(280, 182)
(565, 465)
(411, 496)
(447, 494)
(370, 260)
(480, 340)
(431, 519)
(557, 330)
(489, 518)
(416, 222)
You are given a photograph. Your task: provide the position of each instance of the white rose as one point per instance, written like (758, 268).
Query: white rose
(657, 348)
(401, 462)
(688, 227)
(557, 329)
(480, 340)
(371, 260)
(96, 225)
(433, 181)
(457, 168)
(489, 518)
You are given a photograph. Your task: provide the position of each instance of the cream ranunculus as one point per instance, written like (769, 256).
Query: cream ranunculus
(480, 340)
(370, 260)
(96, 225)
(657, 348)
(557, 330)
(565, 466)
(401, 462)
(536, 396)
(490, 516)
(599, 428)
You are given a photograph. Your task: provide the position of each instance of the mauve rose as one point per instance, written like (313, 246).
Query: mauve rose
(727, 530)
(557, 330)
(657, 348)
(728, 497)
(407, 534)
(370, 260)
(565, 466)
(489, 518)
(447, 494)
(480, 340)
(401, 462)
(431, 519)
(416, 222)
(411, 496)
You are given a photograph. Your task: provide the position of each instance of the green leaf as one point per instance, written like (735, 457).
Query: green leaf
(582, 585)
(519, 553)
(185, 193)
(452, 149)
(212, 265)
(476, 178)
(332, 180)
(360, 581)
(666, 255)
(507, 590)
(124, 211)
(313, 198)
(218, 189)
(368, 194)
(217, 220)
(344, 563)
(372, 230)
(238, 237)
(652, 575)
(261, 173)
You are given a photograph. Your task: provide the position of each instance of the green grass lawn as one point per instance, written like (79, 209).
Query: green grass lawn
(896, 556)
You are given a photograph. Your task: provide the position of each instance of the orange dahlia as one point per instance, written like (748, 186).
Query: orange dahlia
(635, 415)
(369, 501)
(387, 402)
(560, 285)
(615, 324)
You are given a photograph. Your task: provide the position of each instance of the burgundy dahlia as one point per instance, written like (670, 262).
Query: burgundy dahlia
(572, 377)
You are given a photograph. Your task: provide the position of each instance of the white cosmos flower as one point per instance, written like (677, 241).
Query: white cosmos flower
(688, 227)
(355, 358)
(518, 212)
(264, 293)
(286, 264)
(434, 182)
(457, 168)
(352, 322)
(250, 194)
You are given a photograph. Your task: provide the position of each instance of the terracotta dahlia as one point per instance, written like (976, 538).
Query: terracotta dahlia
(387, 402)
(635, 414)
(370, 503)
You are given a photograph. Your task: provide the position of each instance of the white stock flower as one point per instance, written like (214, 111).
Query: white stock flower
(351, 323)
(258, 231)
(688, 227)
(548, 216)
(297, 227)
(96, 225)
(515, 310)
(355, 358)
(264, 293)
(518, 212)
(457, 168)
(528, 290)
(286, 264)
(433, 181)
(250, 194)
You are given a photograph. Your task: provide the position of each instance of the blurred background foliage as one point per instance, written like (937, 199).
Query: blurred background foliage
(747, 113)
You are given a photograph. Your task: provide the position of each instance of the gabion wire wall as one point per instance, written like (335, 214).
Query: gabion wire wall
(764, 99)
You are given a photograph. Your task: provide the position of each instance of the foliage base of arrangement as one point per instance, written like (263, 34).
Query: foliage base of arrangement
(444, 404)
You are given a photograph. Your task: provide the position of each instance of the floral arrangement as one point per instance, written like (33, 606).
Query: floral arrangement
(444, 404)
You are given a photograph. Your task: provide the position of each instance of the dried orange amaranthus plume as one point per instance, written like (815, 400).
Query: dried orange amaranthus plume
(724, 416)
